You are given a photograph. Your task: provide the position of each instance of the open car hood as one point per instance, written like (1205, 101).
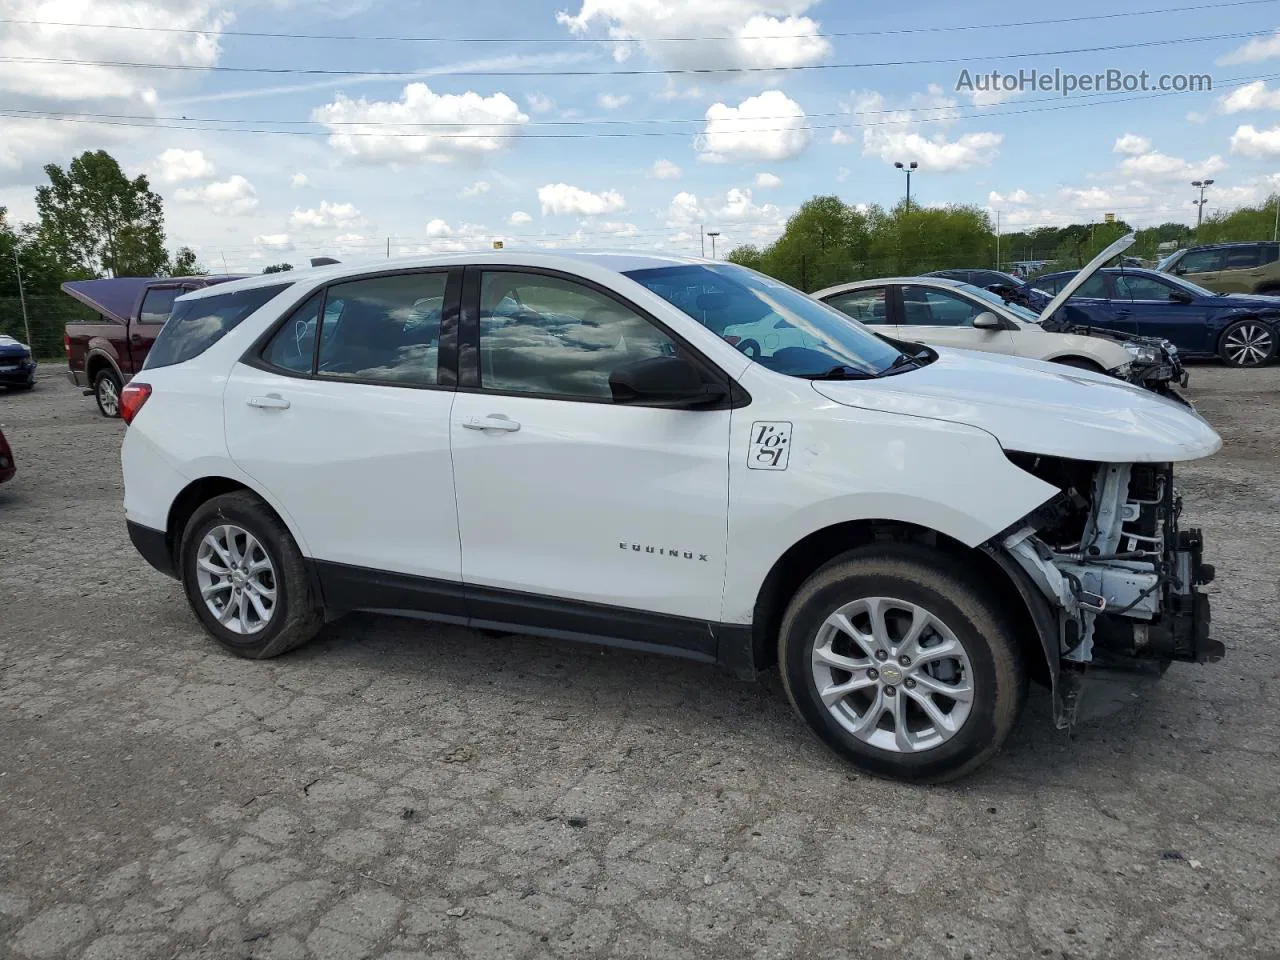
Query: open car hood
(1090, 268)
(1037, 407)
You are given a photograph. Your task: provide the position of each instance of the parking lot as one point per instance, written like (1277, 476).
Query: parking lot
(398, 789)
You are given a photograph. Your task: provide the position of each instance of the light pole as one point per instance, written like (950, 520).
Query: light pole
(1202, 184)
(22, 298)
(907, 168)
(713, 234)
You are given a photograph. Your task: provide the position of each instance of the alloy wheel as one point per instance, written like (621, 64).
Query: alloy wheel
(893, 674)
(108, 397)
(1248, 345)
(237, 579)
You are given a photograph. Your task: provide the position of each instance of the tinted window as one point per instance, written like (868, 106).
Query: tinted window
(1129, 287)
(293, 346)
(1049, 284)
(865, 306)
(1094, 288)
(383, 328)
(558, 338)
(812, 338)
(196, 325)
(1270, 252)
(927, 307)
(1241, 258)
(1200, 261)
(158, 303)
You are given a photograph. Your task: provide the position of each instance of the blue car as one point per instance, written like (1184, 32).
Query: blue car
(17, 368)
(1241, 329)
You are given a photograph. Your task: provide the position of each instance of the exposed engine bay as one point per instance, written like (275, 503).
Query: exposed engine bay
(1108, 555)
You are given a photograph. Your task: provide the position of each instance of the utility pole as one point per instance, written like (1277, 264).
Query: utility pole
(997, 239)
(388, 248)
(713, 234)
(22, 297)
(702, 234)
(225, 268)
(1202, 184)
(1275, 233)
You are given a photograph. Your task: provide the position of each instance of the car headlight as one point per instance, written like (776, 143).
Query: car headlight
(1143, 353)
(1123, 371)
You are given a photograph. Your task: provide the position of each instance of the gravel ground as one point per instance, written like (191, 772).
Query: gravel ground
(402, 790)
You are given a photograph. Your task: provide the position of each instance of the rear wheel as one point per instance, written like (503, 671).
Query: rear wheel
(899, 662)
(1247, 343)
(106, 390)
(245, 578)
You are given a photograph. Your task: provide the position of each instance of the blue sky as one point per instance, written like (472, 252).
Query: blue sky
(525, 157)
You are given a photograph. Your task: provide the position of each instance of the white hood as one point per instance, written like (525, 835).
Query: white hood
(1090, 268)
(1037, 407)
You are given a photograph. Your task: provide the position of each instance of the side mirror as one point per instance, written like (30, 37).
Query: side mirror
(987, 320)
(663, 382)
(1180, 296)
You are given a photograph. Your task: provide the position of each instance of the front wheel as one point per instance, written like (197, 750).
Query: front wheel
(106, 390)
(897, 660)
(245, 578)
(1247, 343)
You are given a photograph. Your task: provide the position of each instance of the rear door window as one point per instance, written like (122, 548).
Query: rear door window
(196, 325)
(868, 305)
(1243, 258)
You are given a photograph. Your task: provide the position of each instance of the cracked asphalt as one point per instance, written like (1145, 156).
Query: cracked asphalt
(397, 789)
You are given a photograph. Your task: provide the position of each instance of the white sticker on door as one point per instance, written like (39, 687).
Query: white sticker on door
(770, 445)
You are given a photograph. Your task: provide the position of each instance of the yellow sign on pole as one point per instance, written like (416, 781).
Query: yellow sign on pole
(497, 244)
(1108, 218)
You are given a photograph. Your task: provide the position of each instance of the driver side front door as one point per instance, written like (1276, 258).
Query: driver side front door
(944, 318)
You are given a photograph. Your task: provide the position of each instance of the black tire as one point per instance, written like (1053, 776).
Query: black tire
(106, 390)
(916, 575)
(296, 616)
(749, 348)
(1080, 363)
(1247, 343)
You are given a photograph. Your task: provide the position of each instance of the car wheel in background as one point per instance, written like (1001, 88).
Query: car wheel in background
(1247, 343)
(106, 390)
(245, 578)
(897, 659)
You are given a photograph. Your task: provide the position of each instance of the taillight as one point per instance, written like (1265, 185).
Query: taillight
(132, 398)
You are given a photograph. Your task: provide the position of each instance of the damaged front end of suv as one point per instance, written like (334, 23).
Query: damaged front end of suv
(1120, 577)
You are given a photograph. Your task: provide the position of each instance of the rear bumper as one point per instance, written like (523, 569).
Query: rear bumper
(154, 547)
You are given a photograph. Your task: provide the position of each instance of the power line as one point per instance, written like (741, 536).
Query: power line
(755, 36)
(672, 71)
(103, 121)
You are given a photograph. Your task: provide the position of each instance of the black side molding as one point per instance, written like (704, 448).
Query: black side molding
(154, 547)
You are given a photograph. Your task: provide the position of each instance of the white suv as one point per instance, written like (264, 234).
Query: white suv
(569, 446)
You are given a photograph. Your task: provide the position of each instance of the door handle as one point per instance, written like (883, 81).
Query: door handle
(272, 401)
(492, 422)
(1123, 313)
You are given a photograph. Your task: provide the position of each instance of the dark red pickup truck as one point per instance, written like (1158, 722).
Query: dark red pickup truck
(105, 353)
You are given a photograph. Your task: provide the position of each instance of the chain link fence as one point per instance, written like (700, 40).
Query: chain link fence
(47, 316)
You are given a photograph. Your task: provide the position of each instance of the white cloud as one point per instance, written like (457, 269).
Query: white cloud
(739, 206)
(275, 241)
(766, 181)
(1252, 96)
(466, 125)
(611, 101)
(1252, 142)
(1131, 145)
(935, 153)
(1160, 166)
(561, 198)
(176, 166)
(765, 33)
(233, 197)
(299, 180)
(684, 211)
(842, 174)
(664, 170)
(539, 103)
(476, 189)
(326, 215)
(1018, 196)
(439, 228)
(1259, 48)
(771, 126)
(519, 219)
(616, 229)
(839, 136)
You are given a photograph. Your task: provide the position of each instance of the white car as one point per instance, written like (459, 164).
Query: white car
(950, 313)
(569, 447)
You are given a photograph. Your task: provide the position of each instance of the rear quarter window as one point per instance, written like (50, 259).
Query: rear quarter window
(196, 325)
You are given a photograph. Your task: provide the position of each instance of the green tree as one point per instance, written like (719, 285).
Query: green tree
(185, 264)
(917, 240)
(42, 272)
(747, 255)
(824, 243)
(98, 221)
(278, 268)
(1243, 223)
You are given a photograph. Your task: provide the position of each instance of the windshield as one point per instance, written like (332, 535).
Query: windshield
(1020, 312)
(1186, 285)
(774, 324)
